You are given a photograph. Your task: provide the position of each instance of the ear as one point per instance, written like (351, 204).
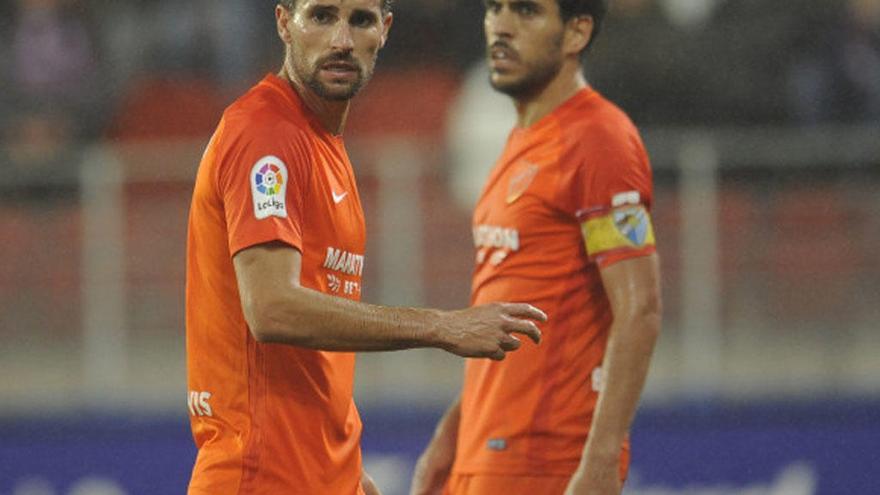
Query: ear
(387, 21)
(578, 33)
(282, 21)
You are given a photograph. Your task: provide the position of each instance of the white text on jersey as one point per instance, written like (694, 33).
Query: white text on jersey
(345, 262)
(198, 403)
(491, 236)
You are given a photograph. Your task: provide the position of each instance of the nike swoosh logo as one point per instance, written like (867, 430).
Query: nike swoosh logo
(337, 198)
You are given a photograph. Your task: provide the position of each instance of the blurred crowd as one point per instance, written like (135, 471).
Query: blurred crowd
(73, 68)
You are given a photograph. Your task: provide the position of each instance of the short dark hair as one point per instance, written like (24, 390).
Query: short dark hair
(290, 4)
(596, 9)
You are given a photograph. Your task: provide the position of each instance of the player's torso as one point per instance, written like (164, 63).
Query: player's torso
(534, 406)
(333, 240)
(272, 418)
(521, 235)
(334, 234)
(315, 428)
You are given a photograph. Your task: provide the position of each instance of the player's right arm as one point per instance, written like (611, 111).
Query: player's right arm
(435, 463)
(278, 309)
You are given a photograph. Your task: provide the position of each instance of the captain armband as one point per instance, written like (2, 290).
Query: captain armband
(620, 229)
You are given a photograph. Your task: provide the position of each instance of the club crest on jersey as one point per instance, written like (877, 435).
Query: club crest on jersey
(633, 224)
(521, 180)
(268, 187)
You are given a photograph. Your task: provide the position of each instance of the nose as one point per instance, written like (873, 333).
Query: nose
(342, 37)
(499, 24)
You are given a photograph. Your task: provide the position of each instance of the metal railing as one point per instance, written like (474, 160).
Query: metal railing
(118, 340)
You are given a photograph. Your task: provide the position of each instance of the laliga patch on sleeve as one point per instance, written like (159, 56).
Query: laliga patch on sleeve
(628, 227)
(269, 187)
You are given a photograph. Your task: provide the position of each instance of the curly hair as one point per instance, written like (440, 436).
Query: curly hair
(289, 4)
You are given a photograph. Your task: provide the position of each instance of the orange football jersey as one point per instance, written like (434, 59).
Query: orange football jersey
(568, 195)
(271, 418)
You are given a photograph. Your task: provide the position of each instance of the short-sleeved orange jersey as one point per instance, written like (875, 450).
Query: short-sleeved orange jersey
(271, 418)
(580, 173)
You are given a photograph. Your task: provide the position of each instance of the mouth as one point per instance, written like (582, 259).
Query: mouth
(502, 55)
(340, 69)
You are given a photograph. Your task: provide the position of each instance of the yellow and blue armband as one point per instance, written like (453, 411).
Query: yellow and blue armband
(623, 228)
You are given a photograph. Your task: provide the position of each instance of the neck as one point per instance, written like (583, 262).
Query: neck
(535, 106)
(331, 114)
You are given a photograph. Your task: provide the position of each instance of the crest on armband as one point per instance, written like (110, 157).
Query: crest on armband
(633, 224)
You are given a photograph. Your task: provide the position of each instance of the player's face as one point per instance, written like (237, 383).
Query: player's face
(524, 44)
(333, 44)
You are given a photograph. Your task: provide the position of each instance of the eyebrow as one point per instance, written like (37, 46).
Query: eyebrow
(333, 9)
(326, 8)
(513, 3)
(365, 12)
(523, 3)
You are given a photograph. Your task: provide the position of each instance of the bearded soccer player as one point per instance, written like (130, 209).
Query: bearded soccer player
(563, 223)
(274, 264)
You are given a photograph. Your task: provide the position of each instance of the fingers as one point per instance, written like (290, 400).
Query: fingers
(525, 327)
(486, 330)
(523, 310)
(509, 343)
(498, 355)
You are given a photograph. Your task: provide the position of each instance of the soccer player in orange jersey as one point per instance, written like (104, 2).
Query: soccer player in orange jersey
(563, 223)
(275, 256)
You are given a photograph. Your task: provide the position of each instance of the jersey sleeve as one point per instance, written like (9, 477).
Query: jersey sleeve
(262, 181)
(613, 193)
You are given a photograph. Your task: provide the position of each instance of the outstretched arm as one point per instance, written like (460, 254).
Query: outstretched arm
(279, 310)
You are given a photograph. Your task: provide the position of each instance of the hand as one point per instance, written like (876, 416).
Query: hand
(596, 480)
(368, 485)
(432, 469)
(486, 331)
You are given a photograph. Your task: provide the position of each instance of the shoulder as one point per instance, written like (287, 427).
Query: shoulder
(261, 130)
(599, 135)
(262, 116)
(597, 122)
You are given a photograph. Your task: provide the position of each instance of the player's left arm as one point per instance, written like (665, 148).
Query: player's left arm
(633, 290)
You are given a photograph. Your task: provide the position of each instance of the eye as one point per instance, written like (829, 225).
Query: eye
(526, 9)
(362, 19)
(322, 16)
(492, 7)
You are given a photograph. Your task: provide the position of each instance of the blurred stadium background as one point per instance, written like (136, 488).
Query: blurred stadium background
(763, 121)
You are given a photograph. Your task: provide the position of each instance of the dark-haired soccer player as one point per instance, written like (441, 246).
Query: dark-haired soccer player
(563, 223)
(274, 264)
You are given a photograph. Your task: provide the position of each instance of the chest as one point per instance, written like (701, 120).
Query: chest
(334, 231)
(522, 188)
(524, 214)
(332, 205)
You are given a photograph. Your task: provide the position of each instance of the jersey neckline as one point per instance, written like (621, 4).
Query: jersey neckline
(579, 96)
(296, 101)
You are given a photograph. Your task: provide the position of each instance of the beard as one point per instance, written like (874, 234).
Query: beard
(332, 90)
(538, 74)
